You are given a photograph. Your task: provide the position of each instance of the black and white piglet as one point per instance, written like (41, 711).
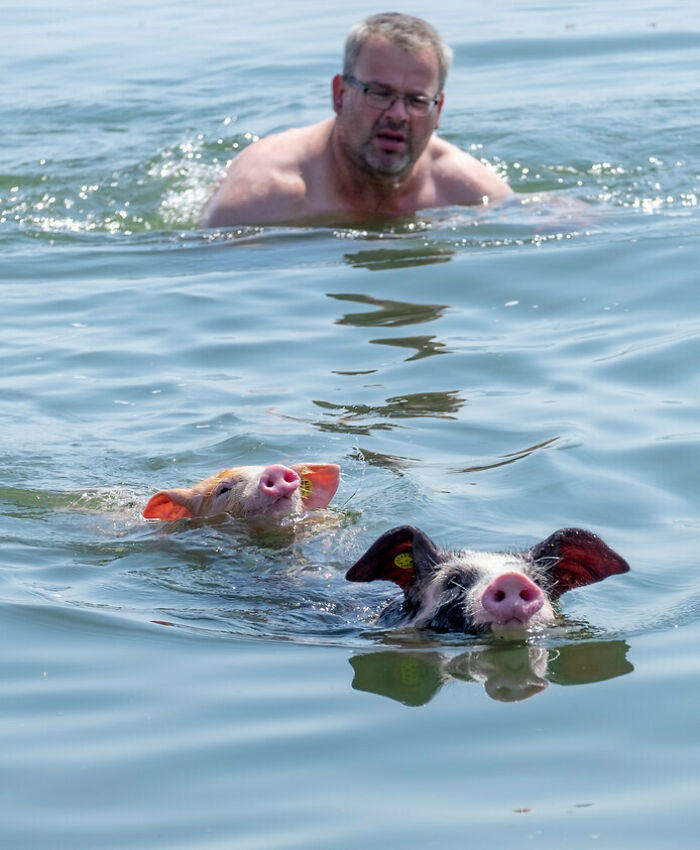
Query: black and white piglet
(474, 592)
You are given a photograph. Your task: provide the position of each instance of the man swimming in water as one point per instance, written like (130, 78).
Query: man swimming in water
(377, 157)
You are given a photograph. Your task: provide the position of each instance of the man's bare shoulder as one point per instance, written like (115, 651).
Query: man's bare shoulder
(288, 148)
(461, 178)
(266, 181)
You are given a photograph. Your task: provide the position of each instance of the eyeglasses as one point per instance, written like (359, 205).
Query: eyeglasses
(378, 98)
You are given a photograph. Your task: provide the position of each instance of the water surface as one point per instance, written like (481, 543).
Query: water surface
(487, 375)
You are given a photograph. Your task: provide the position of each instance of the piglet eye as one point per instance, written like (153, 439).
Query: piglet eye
(459, 581)
(222, 489)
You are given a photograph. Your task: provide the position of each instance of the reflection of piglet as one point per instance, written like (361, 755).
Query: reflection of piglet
(245, 491)
(474, 592)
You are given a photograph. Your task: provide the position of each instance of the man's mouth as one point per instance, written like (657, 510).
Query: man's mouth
(391, 140)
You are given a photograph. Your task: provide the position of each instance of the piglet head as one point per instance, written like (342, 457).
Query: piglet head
(469, 591)
(245, 491)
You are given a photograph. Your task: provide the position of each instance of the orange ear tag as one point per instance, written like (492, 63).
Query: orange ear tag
(404, 561)
(305, 488)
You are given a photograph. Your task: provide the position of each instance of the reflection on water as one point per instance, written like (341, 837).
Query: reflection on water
(510, 457)
(380, 259)
(385, 461)
(508, 673)
(392, 314)
(348, 418)
(425, 346)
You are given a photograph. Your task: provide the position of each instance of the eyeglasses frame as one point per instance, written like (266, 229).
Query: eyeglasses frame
(365, 88)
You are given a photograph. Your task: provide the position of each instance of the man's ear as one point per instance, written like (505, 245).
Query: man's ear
(403, 555)
(338, 87)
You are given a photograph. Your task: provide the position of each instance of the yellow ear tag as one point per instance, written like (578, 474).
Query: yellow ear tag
(404, 561)
(305, 488)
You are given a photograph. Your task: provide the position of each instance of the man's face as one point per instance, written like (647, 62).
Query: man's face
(387, 142)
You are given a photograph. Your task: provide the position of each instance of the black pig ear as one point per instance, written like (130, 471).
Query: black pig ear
(403, 555)
(574, 557)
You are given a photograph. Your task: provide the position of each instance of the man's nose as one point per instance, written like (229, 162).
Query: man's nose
(398, 109)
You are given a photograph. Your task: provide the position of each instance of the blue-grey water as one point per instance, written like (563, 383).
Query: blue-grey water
(489, 376)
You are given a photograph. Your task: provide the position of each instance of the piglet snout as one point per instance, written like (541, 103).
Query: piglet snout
(278, 482)
(512, 596)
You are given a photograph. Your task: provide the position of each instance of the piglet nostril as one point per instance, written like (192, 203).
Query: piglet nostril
(278, 481)
(512, 596)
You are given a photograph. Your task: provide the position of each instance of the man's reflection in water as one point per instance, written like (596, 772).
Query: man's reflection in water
(508, 673)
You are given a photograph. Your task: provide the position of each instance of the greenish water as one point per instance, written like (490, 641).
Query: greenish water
(487, 376)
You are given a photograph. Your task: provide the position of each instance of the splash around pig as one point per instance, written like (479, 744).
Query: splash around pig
(248, 491)
(477, 592)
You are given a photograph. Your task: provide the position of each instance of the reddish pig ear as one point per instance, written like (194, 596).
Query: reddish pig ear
(319, 481)
(165, 505)
(402, 555)
(574, 557)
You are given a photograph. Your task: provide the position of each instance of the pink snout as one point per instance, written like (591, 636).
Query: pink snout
(278, 482)
(512, 596)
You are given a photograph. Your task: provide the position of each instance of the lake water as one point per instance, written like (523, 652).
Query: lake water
(489, 376)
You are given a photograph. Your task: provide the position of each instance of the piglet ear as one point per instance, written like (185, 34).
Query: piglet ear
(574, 557)
(402, 555)
(167, 505)
(319, 481)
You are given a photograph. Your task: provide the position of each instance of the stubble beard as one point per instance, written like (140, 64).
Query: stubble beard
(385, 166)
(387, 163)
